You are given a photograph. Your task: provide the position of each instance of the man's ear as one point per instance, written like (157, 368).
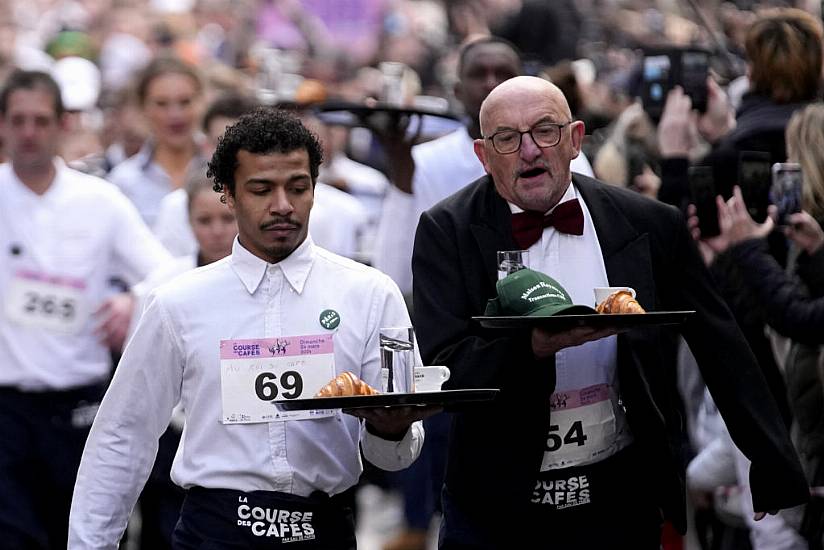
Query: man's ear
(577, 130)
(480, 152)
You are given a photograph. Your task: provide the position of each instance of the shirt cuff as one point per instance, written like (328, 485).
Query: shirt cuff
(393, 455)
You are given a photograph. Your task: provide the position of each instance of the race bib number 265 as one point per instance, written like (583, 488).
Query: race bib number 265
(52, 303)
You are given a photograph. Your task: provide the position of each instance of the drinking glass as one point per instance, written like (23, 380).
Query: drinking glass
(397, 359)
(510, 261)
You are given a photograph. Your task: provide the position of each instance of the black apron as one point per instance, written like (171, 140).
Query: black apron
(213, 519)
(603, 505)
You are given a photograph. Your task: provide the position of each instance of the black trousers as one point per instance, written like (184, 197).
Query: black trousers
(161, 500)
(213, 519)
(619, 513)
(42, 435)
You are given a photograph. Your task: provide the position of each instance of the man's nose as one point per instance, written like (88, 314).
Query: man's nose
(28, 128)
(280, 204)
(529, 149)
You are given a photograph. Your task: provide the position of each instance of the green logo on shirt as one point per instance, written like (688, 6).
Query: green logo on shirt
(329, 319)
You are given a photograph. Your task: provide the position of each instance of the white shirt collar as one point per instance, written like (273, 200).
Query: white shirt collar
(295, 267)
(23, 191)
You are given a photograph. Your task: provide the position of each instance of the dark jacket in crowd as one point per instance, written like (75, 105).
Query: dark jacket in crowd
(795, 308)
(760, 126)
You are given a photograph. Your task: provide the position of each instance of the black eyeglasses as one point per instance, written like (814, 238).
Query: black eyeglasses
(545, 134)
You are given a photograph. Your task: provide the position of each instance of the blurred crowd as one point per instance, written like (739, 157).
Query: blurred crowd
(149, 87)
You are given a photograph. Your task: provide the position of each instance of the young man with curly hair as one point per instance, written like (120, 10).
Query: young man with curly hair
(279, 316)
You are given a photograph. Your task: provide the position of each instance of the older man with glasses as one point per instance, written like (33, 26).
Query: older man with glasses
(582, 449)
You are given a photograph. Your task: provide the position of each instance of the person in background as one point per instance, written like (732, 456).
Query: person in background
(172, 225)
(238, 461)
(362, 182)
(604, 444)
(436, 169)
(793, 299)
(214, 228)
(169, 92)
(62, 235)
(339, 219)
(784, 52)
(628, 157)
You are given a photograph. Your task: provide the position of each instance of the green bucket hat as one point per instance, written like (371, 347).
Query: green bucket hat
(529, 293)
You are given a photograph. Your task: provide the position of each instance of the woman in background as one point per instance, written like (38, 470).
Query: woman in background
(215, 229)
(169, 93)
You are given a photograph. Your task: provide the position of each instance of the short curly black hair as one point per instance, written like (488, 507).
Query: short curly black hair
(265, 130)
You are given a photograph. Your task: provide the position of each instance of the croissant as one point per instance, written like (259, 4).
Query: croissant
(345, 384)
(620, 302)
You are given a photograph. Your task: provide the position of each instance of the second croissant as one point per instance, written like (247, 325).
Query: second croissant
(620, 302)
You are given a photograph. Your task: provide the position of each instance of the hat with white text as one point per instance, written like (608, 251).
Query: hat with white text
(529, 293)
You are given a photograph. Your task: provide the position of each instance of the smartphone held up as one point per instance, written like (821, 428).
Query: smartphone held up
(702, 194)
(785, 191)
(755, 182)
(664, 69)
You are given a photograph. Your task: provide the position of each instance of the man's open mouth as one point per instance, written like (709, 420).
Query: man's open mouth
(533, 172)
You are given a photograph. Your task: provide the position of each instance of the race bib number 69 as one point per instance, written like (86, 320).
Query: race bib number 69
(255, 373)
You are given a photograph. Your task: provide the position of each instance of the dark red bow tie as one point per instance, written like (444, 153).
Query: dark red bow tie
(527, 226)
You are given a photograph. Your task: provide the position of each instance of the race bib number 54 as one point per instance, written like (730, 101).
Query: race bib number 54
(254, 373)
(582, 427)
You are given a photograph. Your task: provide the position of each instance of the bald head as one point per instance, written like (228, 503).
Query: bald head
(522, 90)
(529, 119)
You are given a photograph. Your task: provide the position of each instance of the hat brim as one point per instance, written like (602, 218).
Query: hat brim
(561, 309)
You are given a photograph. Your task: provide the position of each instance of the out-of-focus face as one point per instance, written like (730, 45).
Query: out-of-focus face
(213, 225)
(532, 177)
(171, 107)
(485, 66)
(31, 130)
(272, 200)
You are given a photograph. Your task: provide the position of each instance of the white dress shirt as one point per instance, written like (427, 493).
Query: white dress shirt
(369, 187)
(174, 356)
(144, 181)
(576, 262)
(338, 220)
(143, 289)
(172, 227)
(364, 182)
(81, 231)
(443, 166)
